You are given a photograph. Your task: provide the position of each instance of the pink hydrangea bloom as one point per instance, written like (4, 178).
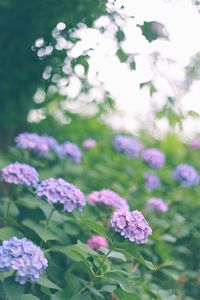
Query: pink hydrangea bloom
(107, 197)
(158, 204)
(89, 143)
(97, 241)
(195, 143)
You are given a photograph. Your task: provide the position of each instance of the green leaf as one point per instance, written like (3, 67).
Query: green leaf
(39, 230)
(82, 296)
(8, 232)
(97, 228)
(12, 289)
(47, 283)
(122, 295)
(133, 252)
(27, 297)
(86, 249)
(113, 254)
(121, 280)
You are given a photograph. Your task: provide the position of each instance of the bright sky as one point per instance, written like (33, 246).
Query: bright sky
(135, 106)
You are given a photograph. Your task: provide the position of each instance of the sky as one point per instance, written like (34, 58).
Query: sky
(106, 72)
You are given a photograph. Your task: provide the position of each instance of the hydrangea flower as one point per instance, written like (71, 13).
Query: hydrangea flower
(70, 150)
(24, 257)
(195, 143)
(187, 175)
(17, 173)
(152, 181)
(107, 197)
(36, 143)
(128, 145)
(89, 143)
(131, 225)
(97, 241)
(61, 191)
(158, 204)
(153, 157)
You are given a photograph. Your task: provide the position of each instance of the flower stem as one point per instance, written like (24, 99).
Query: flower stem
(97, 271)
(48, 220)
(47, 223)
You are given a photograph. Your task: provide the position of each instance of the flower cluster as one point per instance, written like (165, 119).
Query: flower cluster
(61, 191)
(107, 197)
(89, 143)
(23, 256)
(187, 175)
(151, 181)
(158, 204)
(128, 145)
(195, 143)
(97, 241)
(36, 143)
(71, 151)
(153, 157)
(131, 225)
(20, 174)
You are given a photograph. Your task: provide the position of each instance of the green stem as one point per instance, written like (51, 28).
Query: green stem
(97, 271)
(7, 209)
(47, 223)
(48, 220)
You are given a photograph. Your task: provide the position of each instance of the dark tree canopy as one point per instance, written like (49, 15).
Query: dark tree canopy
(21, 23)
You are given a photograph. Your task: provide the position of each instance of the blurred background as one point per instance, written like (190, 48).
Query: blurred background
(131, 64)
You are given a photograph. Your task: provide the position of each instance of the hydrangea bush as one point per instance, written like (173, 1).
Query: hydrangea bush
(95, 224)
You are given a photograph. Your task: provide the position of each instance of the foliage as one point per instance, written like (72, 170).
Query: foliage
(167, 267)
(21, 23)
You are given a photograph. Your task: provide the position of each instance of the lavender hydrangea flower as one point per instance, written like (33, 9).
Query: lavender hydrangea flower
(131, 225)
(158, 204)
(97, 241)
(153, 157)
(24, 257)
(36, 143)
(195, 143)
(152, 181)
(61, 191)
(128, 145)
(89, 143)
(107, 197)
(70, 150)
(187, 175)
(17, 173)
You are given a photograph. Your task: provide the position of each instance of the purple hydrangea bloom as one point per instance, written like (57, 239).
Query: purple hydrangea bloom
(36, 143)
(20, 174)
(128, 145)
(24, 257)
(153, 157)
(70, 150)
(61, 191)
(158, 204)
(152, 181)
(97, 241)
(107, 197)
(187, 175)
(131, 225)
